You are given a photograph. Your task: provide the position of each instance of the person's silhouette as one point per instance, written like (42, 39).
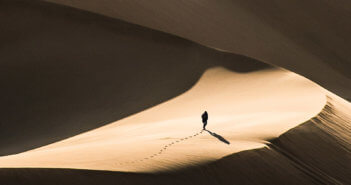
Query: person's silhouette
(204, 117)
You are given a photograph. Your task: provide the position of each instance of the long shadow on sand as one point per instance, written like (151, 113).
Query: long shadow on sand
(219, 137)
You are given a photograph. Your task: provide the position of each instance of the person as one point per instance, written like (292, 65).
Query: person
(204, 117)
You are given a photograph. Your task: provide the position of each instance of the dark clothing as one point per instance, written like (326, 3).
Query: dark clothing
(204, 117)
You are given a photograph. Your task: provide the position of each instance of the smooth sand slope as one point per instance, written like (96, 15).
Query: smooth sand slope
(252, 112)
(247, 110)
(311, 38)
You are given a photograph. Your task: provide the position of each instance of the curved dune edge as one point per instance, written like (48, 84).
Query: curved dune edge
(68, 71)
(321, 146)
(246, 111)
(316, 152)
(260, 30)
(292, 158)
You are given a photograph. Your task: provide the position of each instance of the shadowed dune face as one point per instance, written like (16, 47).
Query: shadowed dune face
(310, 38)
(65, 71)
(325, 35)
(330, 131)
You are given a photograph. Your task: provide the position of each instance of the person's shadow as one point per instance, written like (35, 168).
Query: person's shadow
(218, 137)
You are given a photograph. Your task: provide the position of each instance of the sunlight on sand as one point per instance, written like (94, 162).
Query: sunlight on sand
(245, 109)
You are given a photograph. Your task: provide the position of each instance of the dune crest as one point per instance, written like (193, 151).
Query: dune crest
(246, 110)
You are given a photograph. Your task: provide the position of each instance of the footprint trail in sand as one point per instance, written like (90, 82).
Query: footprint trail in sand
(163, 149)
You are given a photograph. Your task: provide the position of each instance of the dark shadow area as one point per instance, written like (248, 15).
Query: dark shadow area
(318, 33)
(65, 71)
(219, 137)
(296, 35)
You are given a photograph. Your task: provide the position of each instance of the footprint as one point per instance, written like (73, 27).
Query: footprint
(161, 150)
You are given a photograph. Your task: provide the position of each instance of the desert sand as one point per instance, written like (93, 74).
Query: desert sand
(64, 71)
(256, 140)
(94, 99)
(247, 110)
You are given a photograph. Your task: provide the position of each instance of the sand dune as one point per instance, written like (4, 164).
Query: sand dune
(263, 149)
(247, 110)
(88, 99)
(67, 71)
(310, 38)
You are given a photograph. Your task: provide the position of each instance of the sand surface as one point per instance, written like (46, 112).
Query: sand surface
(88, 97)
(67, 71)
(246, 110)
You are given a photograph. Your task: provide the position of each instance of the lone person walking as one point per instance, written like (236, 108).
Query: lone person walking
(204, 117)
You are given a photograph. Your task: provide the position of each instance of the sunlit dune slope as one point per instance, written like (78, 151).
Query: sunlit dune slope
(314, 152)
(245, 112)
